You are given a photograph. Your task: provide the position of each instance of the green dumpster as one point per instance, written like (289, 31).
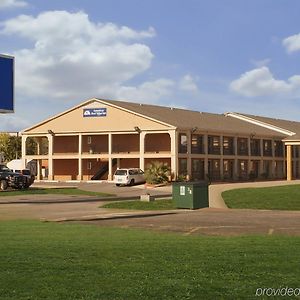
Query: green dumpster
(190, 195)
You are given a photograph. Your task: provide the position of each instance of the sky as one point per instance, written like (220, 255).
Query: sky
(206, 55)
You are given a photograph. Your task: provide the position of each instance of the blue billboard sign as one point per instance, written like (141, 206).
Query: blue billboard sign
(6, 84)
(94, 112)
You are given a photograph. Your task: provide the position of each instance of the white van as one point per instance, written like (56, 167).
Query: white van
(128, 176)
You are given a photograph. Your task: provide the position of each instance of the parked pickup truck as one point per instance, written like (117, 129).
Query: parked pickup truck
(10, 179)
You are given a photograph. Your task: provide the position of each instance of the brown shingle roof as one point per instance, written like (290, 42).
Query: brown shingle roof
(293, 126)
(182, 118)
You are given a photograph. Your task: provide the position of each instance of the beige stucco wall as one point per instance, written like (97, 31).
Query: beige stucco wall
(115, 120)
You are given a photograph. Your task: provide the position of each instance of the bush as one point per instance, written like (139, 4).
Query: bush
(157, 172)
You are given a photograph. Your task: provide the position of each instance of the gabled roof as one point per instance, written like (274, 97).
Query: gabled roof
(203, 121)
(187, 119)
(263, 122)
(292, 126)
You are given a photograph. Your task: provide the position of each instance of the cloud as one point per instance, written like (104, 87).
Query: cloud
(261, 82)
(147, 91)
(74, 57)
(12, 4)
(292, 43)
(188, 84)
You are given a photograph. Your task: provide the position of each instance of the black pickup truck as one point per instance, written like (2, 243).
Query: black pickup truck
(10, 179)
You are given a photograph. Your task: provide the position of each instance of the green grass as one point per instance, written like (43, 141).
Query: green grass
(164, 204)
(280, 197)
(70, 261)
(44, 191)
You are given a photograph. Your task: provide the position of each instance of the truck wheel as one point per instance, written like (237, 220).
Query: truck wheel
(3, 185)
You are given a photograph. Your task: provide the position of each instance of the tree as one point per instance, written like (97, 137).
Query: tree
(10, 146)
(157, 172)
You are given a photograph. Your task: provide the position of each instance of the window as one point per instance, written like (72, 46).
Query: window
(242, 146)
(213, 144)
(278, 148)
(228, 169)
(243, 169)
(228, 147)
(267, 147)
(198, 169)
(89, 166)
(182, 167)
(255, 147)
(197, 143)
(89, 140)
(182, 143)
(214, 169)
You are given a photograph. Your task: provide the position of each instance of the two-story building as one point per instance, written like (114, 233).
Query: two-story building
(94, 138)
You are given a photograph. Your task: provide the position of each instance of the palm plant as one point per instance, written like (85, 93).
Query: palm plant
(157, 172)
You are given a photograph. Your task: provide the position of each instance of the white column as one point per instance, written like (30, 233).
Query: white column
(38, 169)
(142, 150)
(24, 137)
(110, 139)
(289, 162)
(79, 177)
(50, 157)
(174, 153)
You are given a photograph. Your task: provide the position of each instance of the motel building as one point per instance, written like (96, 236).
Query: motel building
(93, 139)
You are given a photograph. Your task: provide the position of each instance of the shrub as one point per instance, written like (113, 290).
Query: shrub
(157, 172)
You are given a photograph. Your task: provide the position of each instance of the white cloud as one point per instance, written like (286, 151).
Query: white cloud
(292, 43)
(261, 82)
(188, 84)
(147, 91)
(72, 57)
(12, 4)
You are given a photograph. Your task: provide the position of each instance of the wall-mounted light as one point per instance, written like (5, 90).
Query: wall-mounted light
(194, 129)
(51, 132)
(137, 129)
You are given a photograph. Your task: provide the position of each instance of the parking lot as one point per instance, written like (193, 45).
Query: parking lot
(87, 210)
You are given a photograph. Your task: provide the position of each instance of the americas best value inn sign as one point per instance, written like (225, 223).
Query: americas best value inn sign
(94, 112)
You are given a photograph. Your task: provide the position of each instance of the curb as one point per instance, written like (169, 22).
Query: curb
(77, 200)
(113, 216)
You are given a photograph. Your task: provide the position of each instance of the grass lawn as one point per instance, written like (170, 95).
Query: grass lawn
(43, 191)
(70, 261)
(164, 204)
(285, 197)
